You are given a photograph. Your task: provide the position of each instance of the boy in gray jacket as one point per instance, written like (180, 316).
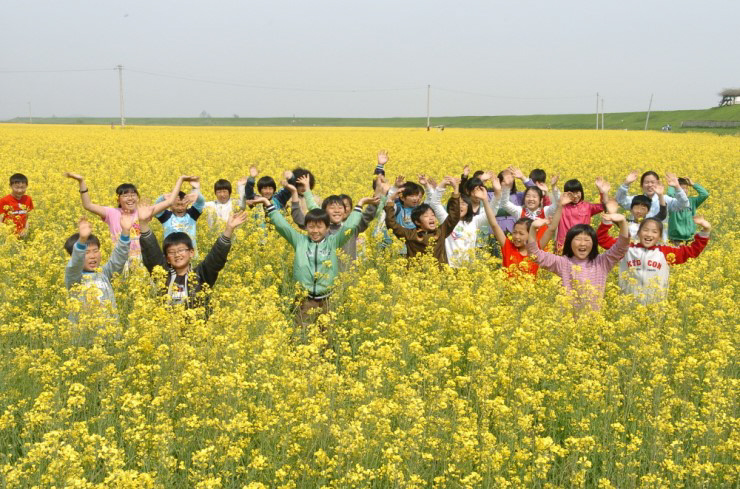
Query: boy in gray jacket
(85, 258)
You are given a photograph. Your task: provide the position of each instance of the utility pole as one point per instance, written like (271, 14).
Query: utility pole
(120, 89)
(650, 106)
(429, 90)
(597, 111)
(602, 113)
(30, 116)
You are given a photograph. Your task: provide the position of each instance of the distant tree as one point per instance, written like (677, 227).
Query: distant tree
(236, 116)
(205, 115)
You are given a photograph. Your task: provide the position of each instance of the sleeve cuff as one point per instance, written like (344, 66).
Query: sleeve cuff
(81, 247)
(358, 208)
(703, 234)
(270, 208)
(125, 237)
(146, 234)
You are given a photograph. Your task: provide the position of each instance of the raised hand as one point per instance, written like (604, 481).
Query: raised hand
(190, 178)
(288, 175)
(631, 177)
(190, 199)
(567, 198)
(466, 171)
(508, 179)
(291, 187)
(691, 183)
(241, 182)
(195, 184)
(259, 200)
(382, 157)
(375, 200)
(432, 182)
(85, 229)
(253, 171)
(659, 189)
(614, 217)
(455, 183)
(700, 221)
(611, 205)
(542, 186)
(74, 176)
(381, 185)
(554, 180)
(538, 223)
(496, 184)
(399, 181)
(672, 180)
(127, 222)
(480, 193)
(485, 176)
(423, 179)
(603, 185)
(144, 212)
(305, 180)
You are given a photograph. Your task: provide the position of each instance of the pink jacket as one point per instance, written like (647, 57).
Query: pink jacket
(573, 214)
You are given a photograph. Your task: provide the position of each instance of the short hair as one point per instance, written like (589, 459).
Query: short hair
(181, 194)
(346, 197)
(266, 181)
(477, 173)
(538, 175)
(500, 177)
(332, 199)
(175, 239)
(69, 244)
(418, 211)
(126, 188)
(575, 231)
(647, 174)
(298, 173)
(222, 184)
(18, 178)
(536, 190)
(468, 215)
(411, 188)
(641, 200)
(651, 219)
(573, 186)
(317, 215)
(524, 220)
(683, 181)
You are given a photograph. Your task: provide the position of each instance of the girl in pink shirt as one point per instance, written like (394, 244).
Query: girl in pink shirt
(581, 267)
(579, 211)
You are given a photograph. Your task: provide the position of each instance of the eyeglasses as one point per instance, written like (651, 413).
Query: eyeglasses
(177, 252)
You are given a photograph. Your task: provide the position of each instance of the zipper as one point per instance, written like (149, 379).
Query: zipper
(315, 266)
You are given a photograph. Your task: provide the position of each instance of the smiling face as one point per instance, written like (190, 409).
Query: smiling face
(267, 192)
(411, 200)
(179, 256)
(520, 236)
(128, 201)
(427, 221)
(648, 185)
(649, 234)
(581, 246)
(18, 189)
(222, 195)
(347, 207)
(92, 257)
(179, 207)
(336, 212)
(576, 197)
(317, 230)
(531, 200)
(639, 212)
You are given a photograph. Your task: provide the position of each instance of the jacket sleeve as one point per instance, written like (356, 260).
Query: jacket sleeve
(623, 198)
(199, 204)
(436, 205)
(679, 202)
(550, 209)
(282, 197)
(594, 209)
(215, 261)
(549, 261)
(453, 217)
(73, 270)
(349, 227)
(118, 257)
(299, 218)
(703, 195)
(508, 206)
(682, 253)
(662, 213)
(310, 201)
(367, 217)
(393, 225)
(379, 170)
(151, 253)
(165, 214)
(602, 236)
(282, 226)
(611, 257)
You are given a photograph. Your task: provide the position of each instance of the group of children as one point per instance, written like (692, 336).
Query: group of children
(484, 210)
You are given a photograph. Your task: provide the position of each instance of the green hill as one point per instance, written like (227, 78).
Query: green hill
(618, 120)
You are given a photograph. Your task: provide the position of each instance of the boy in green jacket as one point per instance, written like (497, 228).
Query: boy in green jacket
(316, 264)
(681, 226)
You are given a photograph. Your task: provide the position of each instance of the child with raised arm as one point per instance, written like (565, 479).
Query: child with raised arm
(220, 209)
(316, 264)
(645, 269)
(581, 268)
(16, 206)
(578, 211)
(681, 224)
(85, 258)
(182, 217)
(266, 187)
(128, 200)
(176, 255)
(425, 226)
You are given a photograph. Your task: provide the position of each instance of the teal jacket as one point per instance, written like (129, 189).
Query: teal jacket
(681, 225)
(316, 265)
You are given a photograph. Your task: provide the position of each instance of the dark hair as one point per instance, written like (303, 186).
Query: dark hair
(332, 199)
(641, 200)
(468, 215)
(411, 188)
(126, 188)
(534, 189)
(346, 197)
(652, 219)
(222, 184)
(477, 174)
(266, 181)
(647, 174)
(181, 194)
(298, 173)
(683, 181)
(471, 184)
(524, 220)
(418, 211)
(538, 175)
(573, 186)
(69, 244)
(175, 239)
(18, 178)
(575, 231)
(317, 215)
(500, 177)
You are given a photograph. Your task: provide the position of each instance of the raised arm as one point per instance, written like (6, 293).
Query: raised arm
(151, 253)
(703, 193)
(682, 253)
(549, 261)
(498, 233)
(282, 226)
(680, 200)
(565, 199)
(663, 212)
(73, 270)
(119, 257)
(616, 252)
(85, 195)
(215, 261)
(390, 221)
(170, 199)
(454, 209)
(623, 197)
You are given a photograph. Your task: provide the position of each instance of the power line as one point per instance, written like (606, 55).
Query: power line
(478, 94)
(57, 71)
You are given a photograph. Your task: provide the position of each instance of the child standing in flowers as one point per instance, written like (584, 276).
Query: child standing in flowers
(582, 269)
(82, 268)
(16, 206)
(128, 200)
(220, 209)
(266, 187)
(578, 211)
(180, 217)
(176, 255)
(644, 270)
(316, 264)
(681, 224)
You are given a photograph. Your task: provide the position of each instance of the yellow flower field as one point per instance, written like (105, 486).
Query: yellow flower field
(424, 377)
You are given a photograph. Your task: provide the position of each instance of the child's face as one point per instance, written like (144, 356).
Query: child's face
(639, 212)
(577, 197)
(179, 207)
(179, 256)
(336, 212)
(411, 200)
(519, 236)
(649, 234)
(648, 185)
(317, 230)
(128, 201)
(531, 200)
(267, 192)
(92, 257)
(223, 195)
(18, 189)
(427, 221)
(463, 207)
(685, 189)
(347, 208)
(581, 246)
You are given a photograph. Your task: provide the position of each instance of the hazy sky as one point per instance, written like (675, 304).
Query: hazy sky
(365, 59)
